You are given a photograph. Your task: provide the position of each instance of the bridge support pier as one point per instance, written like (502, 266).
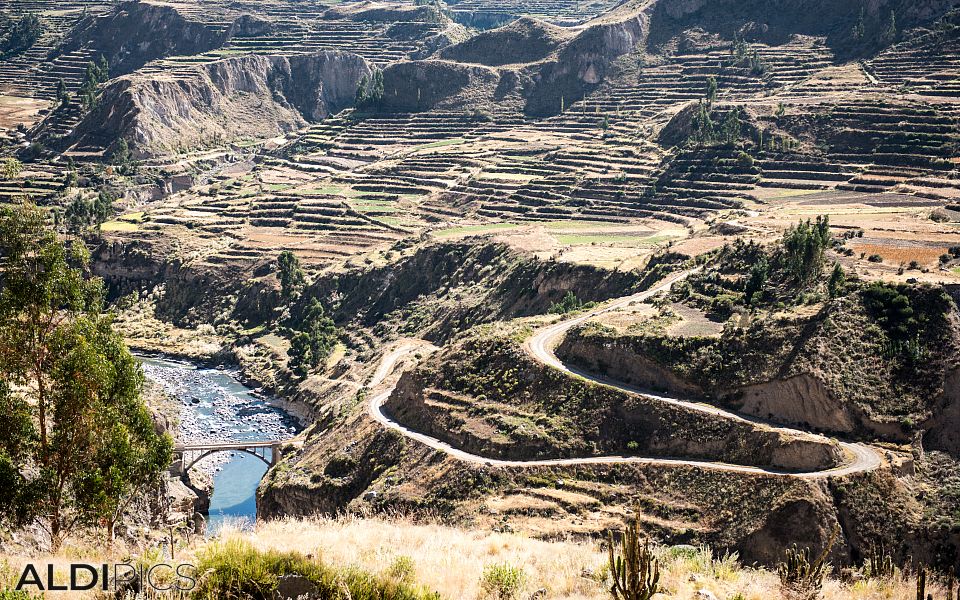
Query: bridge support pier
(275, 455)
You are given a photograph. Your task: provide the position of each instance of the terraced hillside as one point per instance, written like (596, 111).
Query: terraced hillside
(446, 180)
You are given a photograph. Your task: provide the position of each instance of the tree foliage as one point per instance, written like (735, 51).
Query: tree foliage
(290, 273)
(313, 341)
(705, 131)
(568, 303)
(79, 442)
(122, 159)
(82, 213)
(370, 91)
(891, 309)
(21, 36)
(803, 249)
(95, 74)
(757, 280)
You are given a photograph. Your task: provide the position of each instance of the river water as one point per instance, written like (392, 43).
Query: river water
(216, 407)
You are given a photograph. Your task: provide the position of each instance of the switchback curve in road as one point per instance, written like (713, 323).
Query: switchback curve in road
(860, 457)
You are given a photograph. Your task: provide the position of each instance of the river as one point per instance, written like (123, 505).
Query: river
(216, 407)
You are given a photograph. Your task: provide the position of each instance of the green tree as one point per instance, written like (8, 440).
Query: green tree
(701, 126)
(361, 95)
(314, 341)
(24, 33)
(370, 91)
(102, 208)
(803, 249)
(731, 127)
(711, 89)
(62, 96)
(860, 28)
(94, 75)
(837, 281)
(892, 310)
(291, 275)
(758, 279)
(77, 215)
(85, 441)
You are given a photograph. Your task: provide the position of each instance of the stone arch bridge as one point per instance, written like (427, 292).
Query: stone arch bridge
(187, 455)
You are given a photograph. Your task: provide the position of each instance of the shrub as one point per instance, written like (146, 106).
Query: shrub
(744, 160)
(891, 309)
(401, 568)
(340, 465)
(10, 169)
(235, 569)
(875, 258)
(568, 303)
(502, 581)
(837, 280)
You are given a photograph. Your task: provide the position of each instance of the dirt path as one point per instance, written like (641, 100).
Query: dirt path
(540, 346)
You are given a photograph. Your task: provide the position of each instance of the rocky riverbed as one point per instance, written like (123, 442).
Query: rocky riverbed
(214, 407)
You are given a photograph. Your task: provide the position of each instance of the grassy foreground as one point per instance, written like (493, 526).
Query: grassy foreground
(398, 560)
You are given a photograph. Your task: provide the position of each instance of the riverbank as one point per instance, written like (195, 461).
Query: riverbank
(214, 407)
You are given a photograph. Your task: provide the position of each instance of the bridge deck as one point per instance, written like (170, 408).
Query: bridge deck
(229, 446)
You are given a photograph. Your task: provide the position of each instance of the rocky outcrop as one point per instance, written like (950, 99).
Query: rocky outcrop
(628, 367)
(775, 21)
(945, 427)
(807, 522)
(386, 12)
(525, 40)
(800, 400)
(248, 96)
(583, 63)
(134, 33)
(417, 86)
(551, 67)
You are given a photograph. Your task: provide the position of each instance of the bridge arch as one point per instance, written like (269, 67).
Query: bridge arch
(185, 457)
(206, 453)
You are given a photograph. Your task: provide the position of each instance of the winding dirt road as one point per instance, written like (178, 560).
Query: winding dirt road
(860, 457)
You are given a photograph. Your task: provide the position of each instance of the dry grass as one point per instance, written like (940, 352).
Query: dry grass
(902, 254)
(451, 561)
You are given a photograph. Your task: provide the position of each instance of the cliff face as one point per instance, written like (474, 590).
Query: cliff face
(774, 21)
(583, 63)
(551, 67)
(248, 96)
(435, 84)
(135, 33)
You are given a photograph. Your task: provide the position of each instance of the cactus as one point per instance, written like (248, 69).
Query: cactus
(879, 564)
(635, 571)
(802, 579)
(922, 586)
